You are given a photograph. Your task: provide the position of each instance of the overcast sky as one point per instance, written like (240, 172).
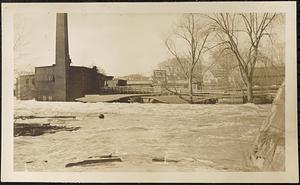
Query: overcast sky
(121, 44)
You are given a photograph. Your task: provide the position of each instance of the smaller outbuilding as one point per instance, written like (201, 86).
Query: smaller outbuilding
(25, 87)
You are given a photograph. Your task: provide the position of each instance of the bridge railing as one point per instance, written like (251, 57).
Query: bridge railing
(257, 91)
(126, 90)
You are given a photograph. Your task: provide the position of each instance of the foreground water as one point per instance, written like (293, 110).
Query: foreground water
(199, 137)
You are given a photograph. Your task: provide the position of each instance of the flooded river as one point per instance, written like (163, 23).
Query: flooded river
(188, 137)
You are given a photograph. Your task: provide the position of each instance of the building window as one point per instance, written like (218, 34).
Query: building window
(32, 81)
(27, 81)
(53, 79)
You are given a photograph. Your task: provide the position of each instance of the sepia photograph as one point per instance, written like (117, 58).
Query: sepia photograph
(150, 88)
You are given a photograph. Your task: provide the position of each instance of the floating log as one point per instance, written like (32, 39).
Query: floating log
(103, 156)
(109, 98)
(36, 129)
(94, 161)
(34, 117)
(165, 160)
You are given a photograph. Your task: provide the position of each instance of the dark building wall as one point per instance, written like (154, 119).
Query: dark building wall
(82, 81)
(25, 87)
(102, 81)
(45, 83)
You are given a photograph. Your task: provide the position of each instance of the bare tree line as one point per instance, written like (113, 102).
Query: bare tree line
(194, 33)
(238, 34)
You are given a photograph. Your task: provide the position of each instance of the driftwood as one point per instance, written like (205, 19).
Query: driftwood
(103, 156)
(94, 161)
(164, 160)
(36, 129)
(33, 117)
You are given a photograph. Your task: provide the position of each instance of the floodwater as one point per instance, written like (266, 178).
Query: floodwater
(197, 137)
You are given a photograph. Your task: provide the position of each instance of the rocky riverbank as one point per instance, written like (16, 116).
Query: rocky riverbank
(269, 148)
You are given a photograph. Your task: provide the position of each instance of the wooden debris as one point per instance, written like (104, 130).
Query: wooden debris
(34, 117)
(94, 161)
(164, 160)
(103, 156)
(36, 129)
(109, 98)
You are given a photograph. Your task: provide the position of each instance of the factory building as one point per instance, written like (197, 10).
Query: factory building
(61, 81)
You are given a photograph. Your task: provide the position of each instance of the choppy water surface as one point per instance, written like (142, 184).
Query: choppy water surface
(200, 137)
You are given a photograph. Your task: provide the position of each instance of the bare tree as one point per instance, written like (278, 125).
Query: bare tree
(243, 30)
(223, 63)
(191, 36)
(20, 44)
(174, 70)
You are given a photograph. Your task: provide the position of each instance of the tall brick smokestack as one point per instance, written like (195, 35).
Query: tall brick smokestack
(62, 58)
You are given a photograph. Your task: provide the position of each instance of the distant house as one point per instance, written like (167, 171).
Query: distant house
(137, 80)
(135, 77)
(263, 76)
(268, 76)
(209, 78)
(217, 77)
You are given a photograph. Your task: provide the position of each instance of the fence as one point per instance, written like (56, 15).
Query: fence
(126, 90)
(257, 91)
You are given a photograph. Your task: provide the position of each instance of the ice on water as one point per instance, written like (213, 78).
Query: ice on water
(200, 137)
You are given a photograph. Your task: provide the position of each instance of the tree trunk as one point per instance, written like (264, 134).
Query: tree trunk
(191, 88)
(249, 92)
